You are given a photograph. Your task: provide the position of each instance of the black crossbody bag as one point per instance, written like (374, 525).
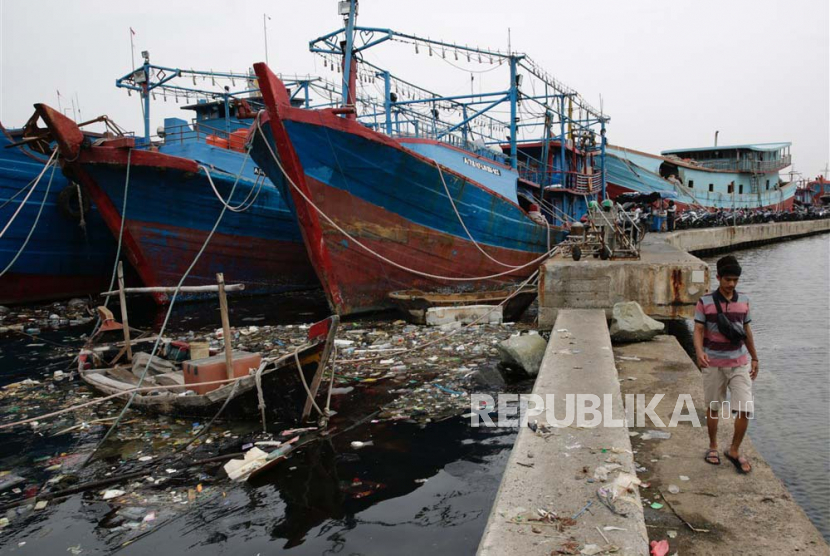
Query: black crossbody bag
(730, 330)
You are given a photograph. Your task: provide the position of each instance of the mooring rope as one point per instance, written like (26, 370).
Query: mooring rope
(260, 395)
(244, 205)
(463, 225)
(376, 254)
(29, 194)
(37, 219)
(305, 384)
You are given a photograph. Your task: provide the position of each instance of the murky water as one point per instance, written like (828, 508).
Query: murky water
(421, 488)
(788, 285)
(415, 489)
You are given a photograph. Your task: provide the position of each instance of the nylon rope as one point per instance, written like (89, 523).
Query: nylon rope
(34, 224)
(29, 194)
(241, 207)
(260, 396)
(305, 384)
(463, 225)
(376, 254)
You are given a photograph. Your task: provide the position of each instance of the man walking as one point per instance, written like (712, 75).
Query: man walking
(723, 345)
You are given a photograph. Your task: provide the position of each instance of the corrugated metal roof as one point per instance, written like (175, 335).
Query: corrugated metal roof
(750, 147)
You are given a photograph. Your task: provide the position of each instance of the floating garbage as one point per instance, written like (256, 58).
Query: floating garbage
(113, 493)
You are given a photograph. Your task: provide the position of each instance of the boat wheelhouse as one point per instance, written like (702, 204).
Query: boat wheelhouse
(727, 177)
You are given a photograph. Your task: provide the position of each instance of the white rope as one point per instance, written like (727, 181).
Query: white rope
(331, 381)
(34, 224)
(241, 207)
(29, 194)
(461, 221)
(19, 191)
(82, 223)
(118, 248)
(376, 254)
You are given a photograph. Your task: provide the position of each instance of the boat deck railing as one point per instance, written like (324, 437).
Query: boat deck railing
(750, 166)
(202, 133)
(573, 181)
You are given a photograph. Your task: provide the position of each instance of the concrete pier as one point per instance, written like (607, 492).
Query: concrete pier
(666, 282)
(732, 514)
(700, 509)
(551, 471)
(712, 240)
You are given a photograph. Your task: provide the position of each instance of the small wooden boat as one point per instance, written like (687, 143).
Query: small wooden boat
(165, 390)
(414, 303)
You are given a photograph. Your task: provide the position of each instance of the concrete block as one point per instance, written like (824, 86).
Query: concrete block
(629, 323)
(550, 470)
(524, 352)
(489, 314)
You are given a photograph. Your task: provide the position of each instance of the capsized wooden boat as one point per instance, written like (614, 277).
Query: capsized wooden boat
(414, 303)
(166, 393)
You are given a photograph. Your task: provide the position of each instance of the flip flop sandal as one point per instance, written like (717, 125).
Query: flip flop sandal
(737, 463)
(711, 454)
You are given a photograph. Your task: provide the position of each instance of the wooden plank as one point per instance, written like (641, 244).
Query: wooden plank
(183, 289)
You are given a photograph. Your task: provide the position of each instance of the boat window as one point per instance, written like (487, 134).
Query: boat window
(767, 185)
(711, 187)
(691, 184)
(730, 188)
(741, 188)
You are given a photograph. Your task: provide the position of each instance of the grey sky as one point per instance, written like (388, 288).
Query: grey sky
(670, 72)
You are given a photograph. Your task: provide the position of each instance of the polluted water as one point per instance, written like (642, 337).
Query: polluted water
(395, 451)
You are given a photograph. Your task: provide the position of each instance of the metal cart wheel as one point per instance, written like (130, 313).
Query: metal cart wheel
(605, 253)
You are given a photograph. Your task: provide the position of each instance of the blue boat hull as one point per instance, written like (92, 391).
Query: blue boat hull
(171, 210)
(392, 200)
(61, 259)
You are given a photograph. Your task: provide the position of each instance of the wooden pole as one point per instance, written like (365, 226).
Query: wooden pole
(183, 289)
(124, 321)
(226, 325)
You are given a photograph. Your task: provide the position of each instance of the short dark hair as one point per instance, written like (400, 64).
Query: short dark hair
(728, 266)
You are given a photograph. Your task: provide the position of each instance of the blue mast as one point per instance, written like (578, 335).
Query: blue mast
(513, 98)
(348, 70)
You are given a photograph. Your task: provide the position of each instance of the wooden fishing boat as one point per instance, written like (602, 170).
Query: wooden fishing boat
(414, 303)
(398, 193)
(57, 246)
(166, 391)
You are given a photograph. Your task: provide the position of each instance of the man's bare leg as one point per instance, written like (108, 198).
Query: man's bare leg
(741, 424)
(712, 427)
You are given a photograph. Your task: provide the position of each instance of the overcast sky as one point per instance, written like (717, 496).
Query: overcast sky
(670, 72)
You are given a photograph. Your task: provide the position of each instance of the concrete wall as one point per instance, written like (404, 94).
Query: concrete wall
(666, 282)
(718, 239)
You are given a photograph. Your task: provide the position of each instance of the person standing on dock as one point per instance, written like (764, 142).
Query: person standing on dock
(670, 214)
(724, 344)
